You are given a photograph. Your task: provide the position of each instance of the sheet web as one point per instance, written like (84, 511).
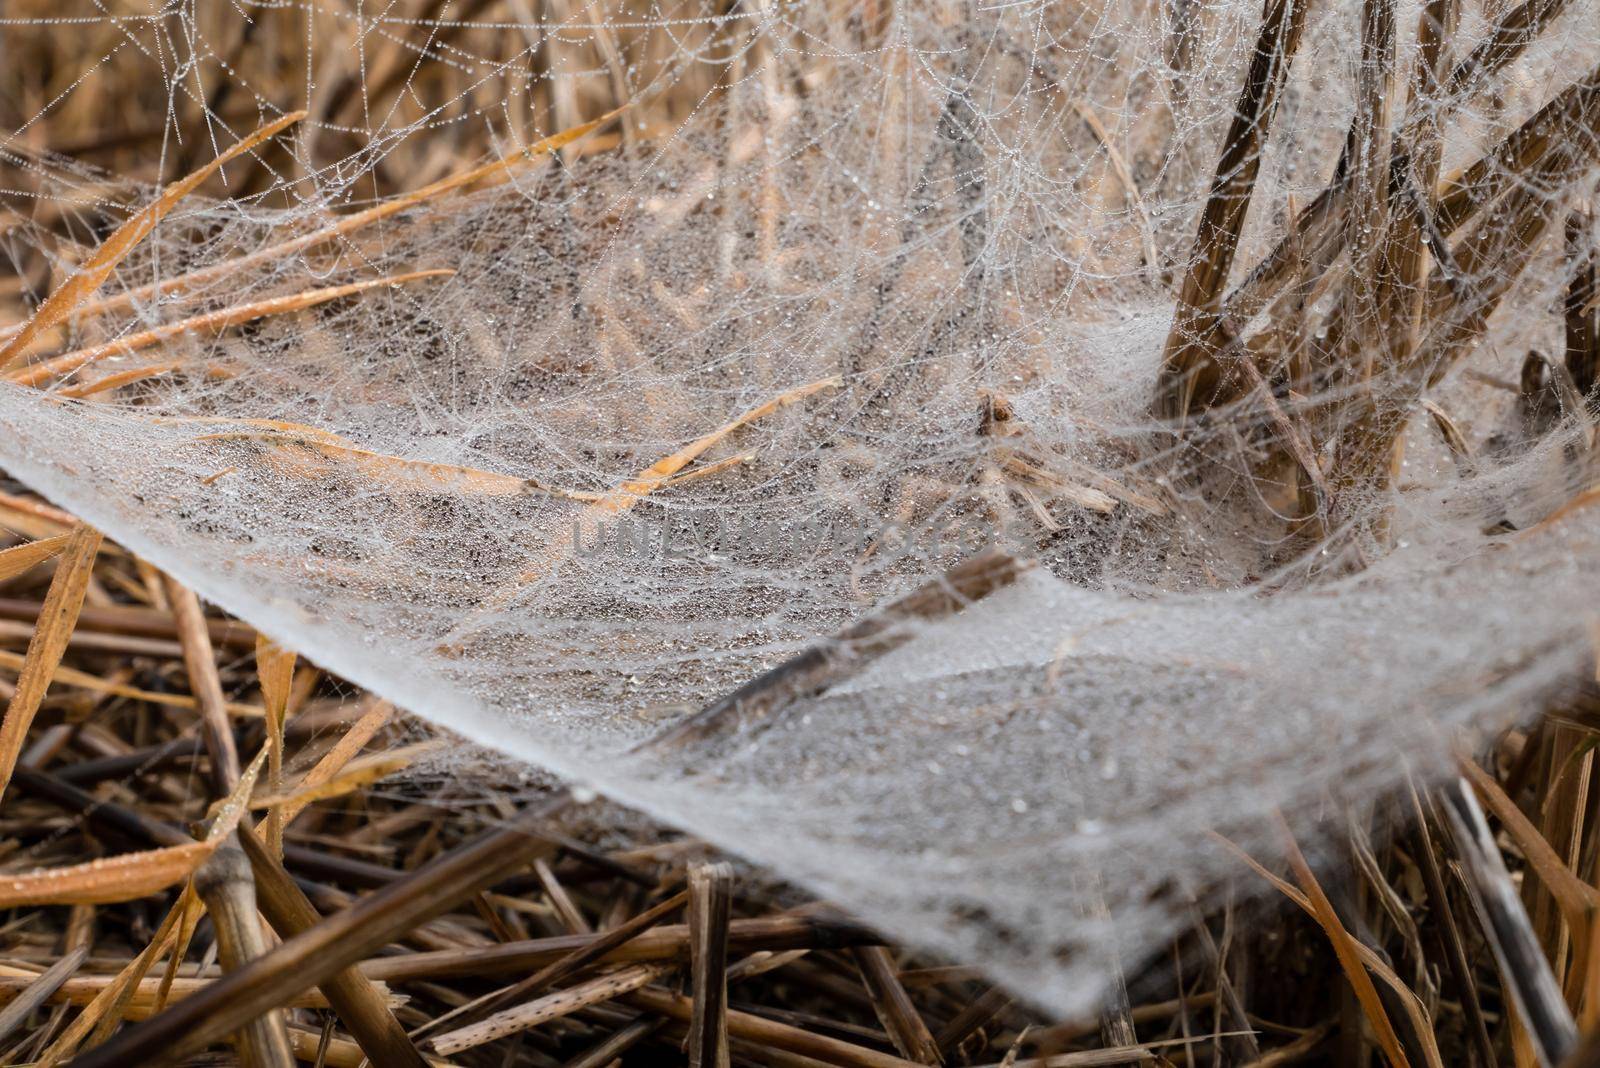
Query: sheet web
(894, 284)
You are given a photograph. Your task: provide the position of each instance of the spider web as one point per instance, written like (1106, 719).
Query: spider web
(923, 274)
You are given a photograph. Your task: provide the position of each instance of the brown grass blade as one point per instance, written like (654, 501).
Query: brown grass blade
(1344, 946)
(115, 995)
(358, 774)
(129, 875)
(200, 664)
(1577, 900)
(500, 168)
(57, 618)
(1317, 225)
(19, 558)
(187, 922)
(710, 900)
(1191, 344)
(120, 379)
(39, 990)
(344, 750)
(359, 1002)
(1542, 1024)
(1570, 114)
(59, 304)
(1456, 958)
(83, 680)
(897, 1013)
(1368, 163)
(275, 669)
(744, 1025)
(84, 988)
(335, 943)
(842, 654)
(561, 968)
(543, 1010)
(217, 321)
(1415, 1010)
(1511, 35)
(226, 884)
(102, 882)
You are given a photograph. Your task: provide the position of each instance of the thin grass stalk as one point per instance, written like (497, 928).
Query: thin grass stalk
(1510, 37)
(1460, 299)
(227, 887)
(1403, 293)
(38, 374)
(352, 995)
(558, 970)
(1188, 365)
(1317, 224)
(57, 618)
(1367, 221)
(1456, 960)
(220, 272)
(1570, 115)
(1526, 973)
(335, 943)
(894, 1007)
(1581, 319)
(200, 661)
(76, 289)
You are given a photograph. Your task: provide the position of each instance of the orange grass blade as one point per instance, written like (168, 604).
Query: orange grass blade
(275, 668)
(38, 510)
(19, 558)
(358, 774)
(659, 474)
(1415, 1010)
(216, 321)
(57, 618)
(58, 305)
(1344, 946)
(630, 493)
(130, 875)
(187, 923)
(343, 751)
(121, 378)
(1576, 898)
(422, 476)
(498, 169)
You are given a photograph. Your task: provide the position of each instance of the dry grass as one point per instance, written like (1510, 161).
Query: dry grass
(409, 922)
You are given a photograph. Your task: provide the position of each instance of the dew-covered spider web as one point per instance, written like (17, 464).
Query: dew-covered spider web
(1262, 333)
